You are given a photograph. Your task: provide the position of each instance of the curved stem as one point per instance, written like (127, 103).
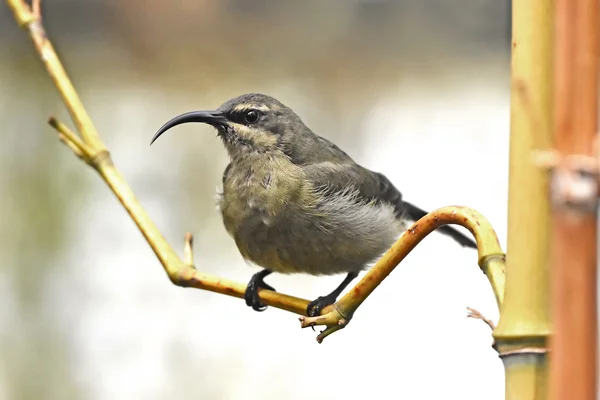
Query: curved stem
(491, 256)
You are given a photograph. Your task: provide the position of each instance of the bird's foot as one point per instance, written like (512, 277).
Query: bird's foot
(251, 295)
(314, 307)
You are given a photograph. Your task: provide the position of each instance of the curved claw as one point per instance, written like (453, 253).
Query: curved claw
(314, 307)
(251, 295)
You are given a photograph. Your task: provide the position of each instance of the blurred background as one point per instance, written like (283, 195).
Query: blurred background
(418, 90)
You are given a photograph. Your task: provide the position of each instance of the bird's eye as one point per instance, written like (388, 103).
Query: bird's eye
(252, 116)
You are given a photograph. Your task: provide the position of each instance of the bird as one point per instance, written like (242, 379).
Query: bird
(295, 203)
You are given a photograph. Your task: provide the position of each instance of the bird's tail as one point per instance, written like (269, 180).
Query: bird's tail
(415, 213)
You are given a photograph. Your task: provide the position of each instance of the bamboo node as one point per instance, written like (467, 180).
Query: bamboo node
(102, 157)
(575, 180)
(524, 351)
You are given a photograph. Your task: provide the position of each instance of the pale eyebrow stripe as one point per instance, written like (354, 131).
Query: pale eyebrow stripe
(244, 107)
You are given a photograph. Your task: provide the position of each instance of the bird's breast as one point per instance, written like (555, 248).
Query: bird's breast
(258, 196)
(261, 189)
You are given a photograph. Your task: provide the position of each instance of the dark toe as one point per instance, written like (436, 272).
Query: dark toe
(257, 305)
(251, 295)
(314, 307)
(248, 295)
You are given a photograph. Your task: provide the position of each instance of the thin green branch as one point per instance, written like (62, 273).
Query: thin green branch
(70, 138)
(30, 19)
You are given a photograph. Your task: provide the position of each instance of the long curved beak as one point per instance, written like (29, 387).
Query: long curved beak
(207, 117)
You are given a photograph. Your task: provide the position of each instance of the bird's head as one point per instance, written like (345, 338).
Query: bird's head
(248, 124)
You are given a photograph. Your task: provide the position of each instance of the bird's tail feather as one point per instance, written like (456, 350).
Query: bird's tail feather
(415, 213)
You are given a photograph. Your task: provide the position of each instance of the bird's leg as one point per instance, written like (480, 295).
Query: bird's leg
(314, 307)
(256, 283)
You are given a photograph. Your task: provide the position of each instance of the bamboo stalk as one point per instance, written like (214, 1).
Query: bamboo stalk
(573, 369)
(524, 325)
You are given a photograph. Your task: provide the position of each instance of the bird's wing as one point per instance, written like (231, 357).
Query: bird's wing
(308, 148)
(335, 177)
